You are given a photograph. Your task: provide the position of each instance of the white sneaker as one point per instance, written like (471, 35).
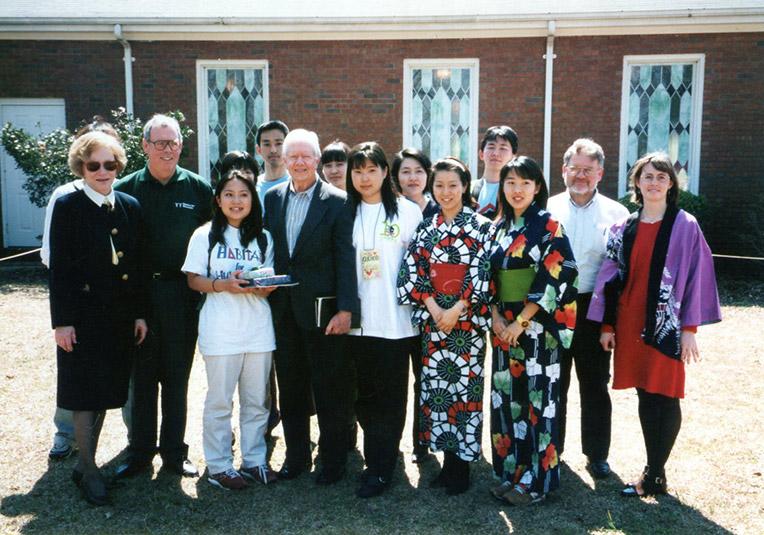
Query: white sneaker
(62, 448)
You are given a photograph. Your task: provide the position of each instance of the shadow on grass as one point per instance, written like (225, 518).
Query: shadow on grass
(162, 505)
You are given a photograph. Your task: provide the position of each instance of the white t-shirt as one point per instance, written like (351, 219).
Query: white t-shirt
(381, 315)
(60, 191)
(231, 324)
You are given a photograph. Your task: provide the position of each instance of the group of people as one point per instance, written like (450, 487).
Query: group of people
(389, 263)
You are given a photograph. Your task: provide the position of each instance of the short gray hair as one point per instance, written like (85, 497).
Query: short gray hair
(159, 120)
(587, 147)
(300, 135)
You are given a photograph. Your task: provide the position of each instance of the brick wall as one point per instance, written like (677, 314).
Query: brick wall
(353, 90)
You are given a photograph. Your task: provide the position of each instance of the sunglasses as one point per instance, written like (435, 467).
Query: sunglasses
(95, 166)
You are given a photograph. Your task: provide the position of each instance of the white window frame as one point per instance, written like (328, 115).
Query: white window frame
(441, 63)
(699, 60)
(201, 100)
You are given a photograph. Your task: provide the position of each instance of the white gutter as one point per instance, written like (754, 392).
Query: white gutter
(128, 60)
(549, 57)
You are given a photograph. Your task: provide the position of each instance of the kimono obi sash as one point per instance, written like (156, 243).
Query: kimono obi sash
(514, 284)
(448, 279)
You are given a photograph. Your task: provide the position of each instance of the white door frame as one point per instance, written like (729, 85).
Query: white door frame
(21, 102)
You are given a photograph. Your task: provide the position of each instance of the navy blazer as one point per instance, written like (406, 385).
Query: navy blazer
(83, 279)
(323, 261)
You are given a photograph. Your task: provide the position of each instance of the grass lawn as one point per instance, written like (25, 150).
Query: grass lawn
(714, 475)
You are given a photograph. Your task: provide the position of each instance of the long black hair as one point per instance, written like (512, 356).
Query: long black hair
(251, 226)
(360, 155)
(457, 166)
(528, 169)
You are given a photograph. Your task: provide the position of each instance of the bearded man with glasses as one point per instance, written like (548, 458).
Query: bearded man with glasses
(175, 202)
(587, 215)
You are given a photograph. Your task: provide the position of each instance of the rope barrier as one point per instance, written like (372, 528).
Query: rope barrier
(20, 254)
(738, 257)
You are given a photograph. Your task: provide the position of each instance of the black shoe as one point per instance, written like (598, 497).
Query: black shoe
(182, 467)
(599, 469)
(293, 470)
(132, 467)
(330, 476)
(94, 490)
(459, 480)
(372, 486)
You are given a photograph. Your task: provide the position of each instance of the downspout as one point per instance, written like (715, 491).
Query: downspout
(549, 57)
(128, 60)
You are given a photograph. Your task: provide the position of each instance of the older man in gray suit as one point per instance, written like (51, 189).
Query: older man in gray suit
(312, 226)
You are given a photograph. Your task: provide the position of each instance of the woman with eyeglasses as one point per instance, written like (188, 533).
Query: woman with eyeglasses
(445, 277)
(655, 287)
(97, 297)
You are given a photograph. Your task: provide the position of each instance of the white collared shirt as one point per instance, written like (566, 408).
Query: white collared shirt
(96, 197)
(586, 227)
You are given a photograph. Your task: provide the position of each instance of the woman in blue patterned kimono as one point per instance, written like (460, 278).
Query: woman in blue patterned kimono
(444, 276)
(533, 315)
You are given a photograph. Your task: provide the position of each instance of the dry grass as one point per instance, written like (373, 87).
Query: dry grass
(715, 473)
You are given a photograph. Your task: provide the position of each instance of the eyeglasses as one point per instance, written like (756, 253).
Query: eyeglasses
(585, 171)
(162, 144)
(93, 166)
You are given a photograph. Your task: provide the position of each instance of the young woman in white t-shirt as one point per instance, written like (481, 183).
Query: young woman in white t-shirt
(236, 335)
(384, 224)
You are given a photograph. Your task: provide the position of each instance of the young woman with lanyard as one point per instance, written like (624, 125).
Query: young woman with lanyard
(444, 275)
(384, 224)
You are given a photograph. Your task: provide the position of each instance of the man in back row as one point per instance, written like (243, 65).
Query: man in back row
(498, 146)
(586, 216)
(269, 144)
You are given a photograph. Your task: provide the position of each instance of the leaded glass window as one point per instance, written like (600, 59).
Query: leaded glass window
(662, 114)
(441, 110)
(235, 102)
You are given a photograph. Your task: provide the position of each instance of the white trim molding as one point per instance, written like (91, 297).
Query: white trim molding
(201, 100)
(696, 121)
(473, 64)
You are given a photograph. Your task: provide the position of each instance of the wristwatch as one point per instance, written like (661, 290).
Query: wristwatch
(522, 321)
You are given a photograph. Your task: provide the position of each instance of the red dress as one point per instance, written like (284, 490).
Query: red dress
(636, 364)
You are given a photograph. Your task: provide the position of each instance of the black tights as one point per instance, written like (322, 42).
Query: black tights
(87, 429)
(661, 418)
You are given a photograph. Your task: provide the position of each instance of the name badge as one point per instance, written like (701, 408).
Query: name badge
(370, 267)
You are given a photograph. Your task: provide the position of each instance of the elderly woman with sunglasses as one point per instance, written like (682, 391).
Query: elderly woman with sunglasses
(96, 297)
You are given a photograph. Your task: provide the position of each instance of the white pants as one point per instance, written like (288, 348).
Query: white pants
(251, 371)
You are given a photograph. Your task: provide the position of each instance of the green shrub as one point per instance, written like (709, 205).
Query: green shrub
(44, 159)
(689, 202)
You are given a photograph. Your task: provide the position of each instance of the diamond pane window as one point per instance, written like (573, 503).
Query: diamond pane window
(233, 102)
(662, 112)
(440, 108)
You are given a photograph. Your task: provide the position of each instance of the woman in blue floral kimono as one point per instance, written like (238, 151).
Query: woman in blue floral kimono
(533, 315)
(444, 276)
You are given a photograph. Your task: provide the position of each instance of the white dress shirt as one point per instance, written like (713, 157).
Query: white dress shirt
(60, 191)
(586, 227)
